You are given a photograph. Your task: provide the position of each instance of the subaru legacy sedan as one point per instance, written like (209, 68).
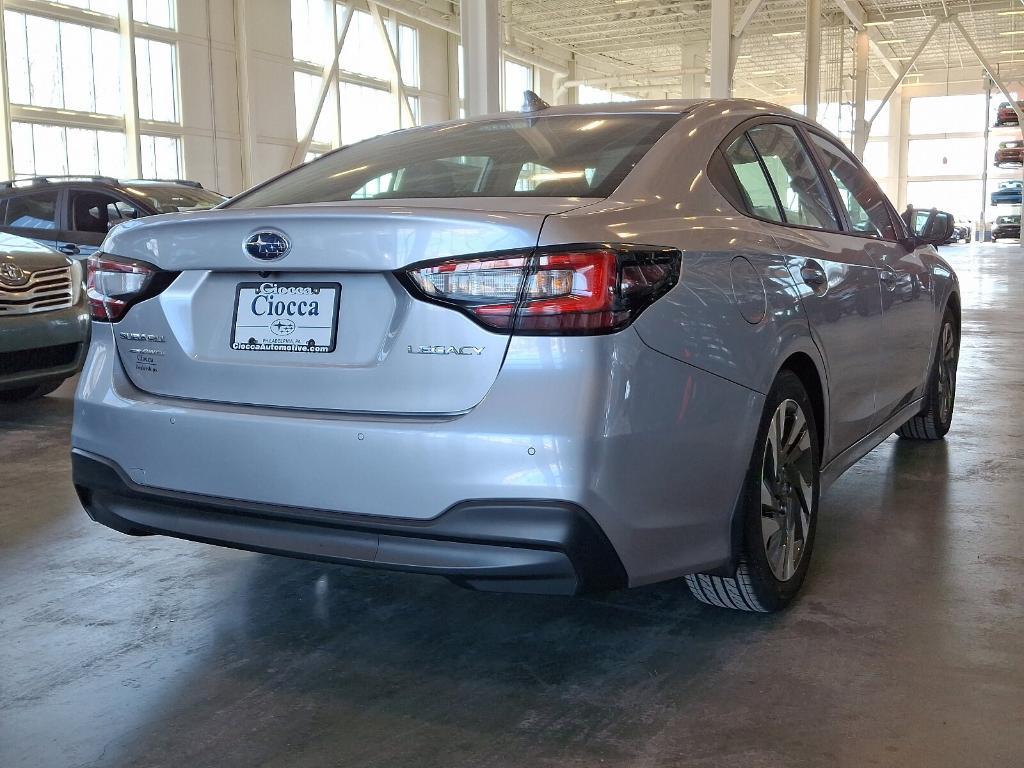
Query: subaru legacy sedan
(578, 349)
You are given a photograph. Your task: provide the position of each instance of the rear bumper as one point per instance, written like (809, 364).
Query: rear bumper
(43, 347)
(515, 546)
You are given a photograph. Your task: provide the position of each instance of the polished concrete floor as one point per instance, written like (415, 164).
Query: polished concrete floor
(906, 648)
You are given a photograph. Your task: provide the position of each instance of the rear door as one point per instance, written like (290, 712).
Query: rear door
(374, 348)
(33, 215)
(908, 312)
(89, 214)
(837, 280)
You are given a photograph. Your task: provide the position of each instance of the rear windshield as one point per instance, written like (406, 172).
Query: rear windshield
(556, 156)
(171, 199)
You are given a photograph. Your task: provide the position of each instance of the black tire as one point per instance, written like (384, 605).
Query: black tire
(940, 397)
(28, 393)
(755, 585)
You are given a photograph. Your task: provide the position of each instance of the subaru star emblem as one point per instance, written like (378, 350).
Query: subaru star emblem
(267, 246)
(12, 275)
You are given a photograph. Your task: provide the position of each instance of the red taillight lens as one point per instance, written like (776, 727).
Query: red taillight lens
(564, 291)
(115, 284)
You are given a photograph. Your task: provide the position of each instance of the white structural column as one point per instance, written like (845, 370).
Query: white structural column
(861, 127)
(6, 150)
(130, 89)
(812, 58)
(721, 49)
(245, 121)
(692, 71)
(481, 51)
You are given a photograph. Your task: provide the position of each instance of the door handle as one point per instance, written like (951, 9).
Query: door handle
(888, 277)
(69, 249)
(813, 275)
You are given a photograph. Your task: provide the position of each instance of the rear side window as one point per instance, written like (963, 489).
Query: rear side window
(800, 189)
(753, 184)
(35, 211)
(859, 195)
(554, 156)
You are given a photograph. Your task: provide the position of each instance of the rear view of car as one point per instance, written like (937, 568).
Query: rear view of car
(1009, 193)
(1006, 115)
(1006, 228)
(1010, 154)
(44, 322)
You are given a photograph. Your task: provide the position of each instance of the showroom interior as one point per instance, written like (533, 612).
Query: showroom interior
(904, 647)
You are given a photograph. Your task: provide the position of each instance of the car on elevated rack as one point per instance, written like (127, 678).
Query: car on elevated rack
(1005, 115)
(1010, 154)
(1006, 228)
(44, 319)
(570, 349)
(74, 213)
(1009, 193)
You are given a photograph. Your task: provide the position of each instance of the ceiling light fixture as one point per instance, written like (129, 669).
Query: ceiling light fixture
(878, 23)
(894, 40)
(786, 34)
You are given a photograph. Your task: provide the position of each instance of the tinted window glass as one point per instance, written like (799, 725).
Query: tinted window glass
(172, 199)
(800, 189)
(750, 174)
(556, 156)
(35, 211)
(98, 212)
(858, 193)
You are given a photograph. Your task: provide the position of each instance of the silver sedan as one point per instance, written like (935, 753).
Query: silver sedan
(578, 349)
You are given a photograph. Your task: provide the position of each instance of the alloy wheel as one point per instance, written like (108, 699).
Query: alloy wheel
(947, 371)
(787, 489)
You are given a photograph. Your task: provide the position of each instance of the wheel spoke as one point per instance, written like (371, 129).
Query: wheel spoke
(775, 549)
(795, 436)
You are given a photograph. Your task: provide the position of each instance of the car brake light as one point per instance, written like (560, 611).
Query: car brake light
(115, 284)
(569, 290)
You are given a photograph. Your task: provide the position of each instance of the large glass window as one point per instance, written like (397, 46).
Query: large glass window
(560, 156)
(161, 157)
(860, 196)
(801, 192)
(56, 64)
(156, 72)
(54, 150)
(588, 94)
(518, 78)
(307, 90)
(366, 112)
(757, 192)
(876, 158)
(108, 7)
(946, 157)
(311, 25)
(365, 52)
(947, 114)
(159, 13)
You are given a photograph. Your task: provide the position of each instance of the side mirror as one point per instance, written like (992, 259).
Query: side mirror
(929, 227)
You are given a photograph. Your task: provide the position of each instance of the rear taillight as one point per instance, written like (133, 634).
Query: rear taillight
(114, 285)
(569, 290)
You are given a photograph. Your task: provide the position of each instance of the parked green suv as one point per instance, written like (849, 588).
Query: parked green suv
(44, 318)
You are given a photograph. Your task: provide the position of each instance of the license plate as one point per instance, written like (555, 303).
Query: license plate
(286, 317)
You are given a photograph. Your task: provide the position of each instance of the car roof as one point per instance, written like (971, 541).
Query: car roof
(41, 182)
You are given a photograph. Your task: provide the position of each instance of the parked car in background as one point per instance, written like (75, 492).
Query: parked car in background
(1005, 114)
(1006, 228)
(576, 349)
(74, 213)
(963, 232)
(1010, 154)
(1009, 193)
(44, 318)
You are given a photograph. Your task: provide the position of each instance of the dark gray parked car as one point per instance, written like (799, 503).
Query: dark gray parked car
(44, 320)
(74, 213)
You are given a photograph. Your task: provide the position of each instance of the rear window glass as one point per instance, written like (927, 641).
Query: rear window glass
(556, 156)
(35, 211)
(172, 199)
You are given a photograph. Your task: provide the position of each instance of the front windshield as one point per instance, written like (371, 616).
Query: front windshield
(1008, 220)
(555, 156)
(175, 198)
